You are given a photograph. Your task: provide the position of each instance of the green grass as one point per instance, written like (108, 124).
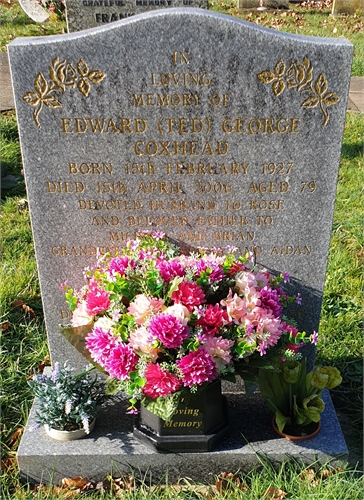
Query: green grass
(22, 329)
(15, 23)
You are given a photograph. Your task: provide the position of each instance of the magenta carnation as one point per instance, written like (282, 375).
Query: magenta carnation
(100, 343)
(119, 265)
(189, 295)
(97, 299)
(213, 318)
(160, 382)
(170, 269)
(270, 299)
(122, 360)
(197, 367)
(169, 330)
(216, 271)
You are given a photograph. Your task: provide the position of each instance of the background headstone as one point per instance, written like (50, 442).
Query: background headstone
(348, 7)
(269, 4)
(34, 10)
(211, 129)
(83, 14)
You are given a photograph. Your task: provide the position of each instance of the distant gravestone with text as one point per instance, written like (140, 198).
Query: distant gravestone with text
(84, 14)
(348, 7)
(216, 131)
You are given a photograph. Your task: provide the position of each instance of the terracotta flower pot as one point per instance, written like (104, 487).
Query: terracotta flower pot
(68, 435)
(304, 432)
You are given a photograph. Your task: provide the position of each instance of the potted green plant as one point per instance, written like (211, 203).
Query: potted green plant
(295, 396)
(68, 403)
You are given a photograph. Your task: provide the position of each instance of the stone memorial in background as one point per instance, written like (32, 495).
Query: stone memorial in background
(217, 132)
(263, 4)
(84, 14)
(208, 128)
(349, 7)
(34, 10)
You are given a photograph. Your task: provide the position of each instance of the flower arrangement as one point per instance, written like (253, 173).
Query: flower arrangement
(164, 322)
(293, 395)
(67, 401)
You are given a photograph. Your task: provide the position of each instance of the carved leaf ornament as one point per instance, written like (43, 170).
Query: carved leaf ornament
(299, 76)
(61, 75)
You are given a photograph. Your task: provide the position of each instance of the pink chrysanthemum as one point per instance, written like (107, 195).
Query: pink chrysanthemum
(169, 330)
(100, 343)
(216, 271)
(170, 269)
(119, 265)
(97, 299)
(121, 361)
(197, 367)
(212, 319)
(160, 382)
(189, 294)
(220, 350)
(270, 299)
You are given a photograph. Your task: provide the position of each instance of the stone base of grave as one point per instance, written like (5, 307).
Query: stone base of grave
(112, 449)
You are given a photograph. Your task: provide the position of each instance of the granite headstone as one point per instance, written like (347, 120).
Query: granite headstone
(84, 14)
(216, 131)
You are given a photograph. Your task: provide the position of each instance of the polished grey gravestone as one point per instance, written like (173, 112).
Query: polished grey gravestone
(84, 14)
(209, 128)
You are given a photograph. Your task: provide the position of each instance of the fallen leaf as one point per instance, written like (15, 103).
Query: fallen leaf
(5, 326)
(46, 362)
(273, 493)
(74, 482)
(227, 481)
(19, 304)
(308, 475)
(15, 436)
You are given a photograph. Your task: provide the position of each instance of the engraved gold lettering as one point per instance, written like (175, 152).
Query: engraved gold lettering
(160, 188)
(65, 187)
(266, 205)
(228, 236)
(291, 250)
(109, 205)
(90, 168)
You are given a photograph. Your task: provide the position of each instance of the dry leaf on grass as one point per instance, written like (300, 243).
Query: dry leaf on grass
(15, 436)
(227, 481)
(273, 493)
(19, 304)
(5, 326)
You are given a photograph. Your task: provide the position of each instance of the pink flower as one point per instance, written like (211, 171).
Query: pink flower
(169, 330)
(216, 271)
(142, 307)
(81, 316)
(219, 349)
(170, 269)
(119, 265)
(180, 312)
(197, 367)
(189, 294)
(141, 340)
(212, 319)
(121, 361)
(241, 310)
(268, 331)
(270, 299)
(97, 299)
(160, 382)
(100, 343)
